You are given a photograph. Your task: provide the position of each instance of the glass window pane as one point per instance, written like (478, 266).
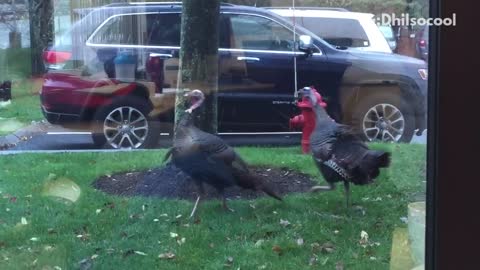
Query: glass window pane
(257, 33)
(321, 107)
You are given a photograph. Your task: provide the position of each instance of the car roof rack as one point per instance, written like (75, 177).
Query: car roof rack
(312, 8)
(154, 4)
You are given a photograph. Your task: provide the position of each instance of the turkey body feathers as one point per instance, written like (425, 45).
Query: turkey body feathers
(341, 155)
(206, 158)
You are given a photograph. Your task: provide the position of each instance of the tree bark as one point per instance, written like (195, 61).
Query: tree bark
(41, 31)
(199, 59)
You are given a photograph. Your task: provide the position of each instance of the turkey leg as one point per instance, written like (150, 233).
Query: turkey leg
(346, 184)
(200, 196)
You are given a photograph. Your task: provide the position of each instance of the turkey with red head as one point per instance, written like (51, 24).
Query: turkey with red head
(340, 154)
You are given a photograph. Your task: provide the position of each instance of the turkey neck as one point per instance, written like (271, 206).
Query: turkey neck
(321, 116)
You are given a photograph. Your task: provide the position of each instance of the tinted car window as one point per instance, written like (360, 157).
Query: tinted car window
(257, 33)
(164, 29)
(124, 30)
(338, 32)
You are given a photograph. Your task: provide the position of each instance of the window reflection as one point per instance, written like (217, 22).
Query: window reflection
(109, 90)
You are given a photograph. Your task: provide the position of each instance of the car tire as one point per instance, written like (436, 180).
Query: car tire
(384, 117)
(125, 124)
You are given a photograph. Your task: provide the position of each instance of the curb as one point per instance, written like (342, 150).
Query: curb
(22, 134)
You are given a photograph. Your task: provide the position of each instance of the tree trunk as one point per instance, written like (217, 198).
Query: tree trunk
(15, 40)
(41, 31)
(199, 59)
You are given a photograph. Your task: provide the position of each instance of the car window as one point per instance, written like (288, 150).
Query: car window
(125, 30)
(386, 31)
(258, 33)
(164, 29)
(338, 32)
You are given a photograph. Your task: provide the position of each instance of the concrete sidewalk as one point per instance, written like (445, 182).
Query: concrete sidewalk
(23, 134)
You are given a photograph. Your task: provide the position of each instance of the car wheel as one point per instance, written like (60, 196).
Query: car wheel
(124, 124)
(384, 117)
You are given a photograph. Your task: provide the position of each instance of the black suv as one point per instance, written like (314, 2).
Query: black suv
(118, 66)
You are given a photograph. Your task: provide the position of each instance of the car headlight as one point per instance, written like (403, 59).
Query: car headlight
(423, 72)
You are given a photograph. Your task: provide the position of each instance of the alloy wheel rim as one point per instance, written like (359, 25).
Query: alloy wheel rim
(384, 122)
(125, 127)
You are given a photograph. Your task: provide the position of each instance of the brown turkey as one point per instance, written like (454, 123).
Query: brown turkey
(206, 158)
(340, 154)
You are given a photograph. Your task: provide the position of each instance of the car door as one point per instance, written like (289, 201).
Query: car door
(256, 77)
(162, 50)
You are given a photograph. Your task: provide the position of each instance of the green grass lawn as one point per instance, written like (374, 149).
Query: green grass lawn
(131, 233)
(24, 107)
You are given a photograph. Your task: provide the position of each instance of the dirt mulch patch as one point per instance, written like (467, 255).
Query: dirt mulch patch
(170, 182)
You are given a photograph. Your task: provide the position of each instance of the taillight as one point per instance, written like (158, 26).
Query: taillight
(54, 57)
(422, 43)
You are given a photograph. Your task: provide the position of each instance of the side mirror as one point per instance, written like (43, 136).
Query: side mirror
(305, 44)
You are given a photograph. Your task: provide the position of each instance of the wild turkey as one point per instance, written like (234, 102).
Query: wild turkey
(206, 158)
(340, 154)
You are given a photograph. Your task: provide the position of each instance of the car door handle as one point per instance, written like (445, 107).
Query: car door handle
(161, 55)
(244, 58)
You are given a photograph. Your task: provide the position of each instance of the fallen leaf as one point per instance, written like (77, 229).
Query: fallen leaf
(336, 231)
(259, 243)
(140, 253)
(284, 223)
(144, 207)
(181, 241)
(373, 258)
(173, 235)
(300, 241)
(34, 239)
(23, 220)
(363, 239)
(94, 256)
(168, 255)
(156, 220)
(327, 247)
(179, 216)
(277, 249)
(98, 211)
(230, 260)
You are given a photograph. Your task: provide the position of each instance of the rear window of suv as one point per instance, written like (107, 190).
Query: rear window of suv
(140, 29)
(338, 32)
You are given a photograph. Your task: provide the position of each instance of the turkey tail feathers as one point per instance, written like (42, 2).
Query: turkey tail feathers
(248, 180)
(268, 190)
(373, 161)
